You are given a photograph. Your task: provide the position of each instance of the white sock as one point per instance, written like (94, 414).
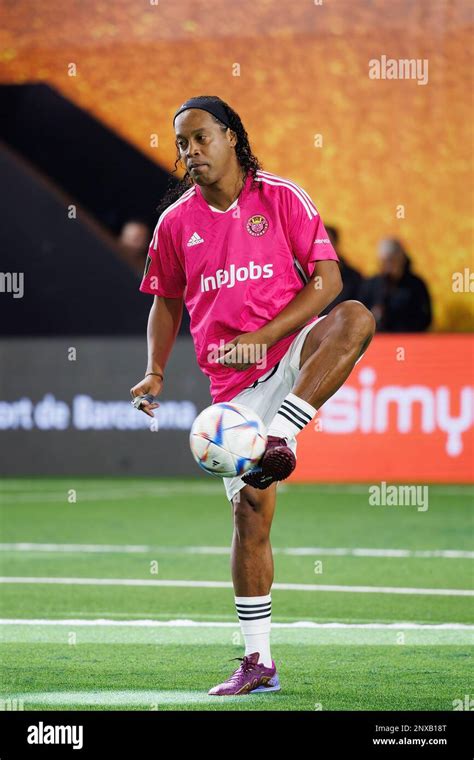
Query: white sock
(293, 415)
(255, 615)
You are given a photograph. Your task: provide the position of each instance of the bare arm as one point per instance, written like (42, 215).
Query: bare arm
(163, 325)
(325, 284)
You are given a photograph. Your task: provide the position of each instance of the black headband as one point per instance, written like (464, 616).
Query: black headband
(216, 109)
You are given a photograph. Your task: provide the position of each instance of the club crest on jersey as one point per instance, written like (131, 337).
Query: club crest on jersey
(257, 225)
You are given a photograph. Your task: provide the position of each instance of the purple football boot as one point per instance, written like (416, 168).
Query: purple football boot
(250, 677)
(277, 463)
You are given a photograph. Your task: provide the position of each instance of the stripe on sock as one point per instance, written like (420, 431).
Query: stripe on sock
(253, 611)
(292, 420)
(298, 409)
(250, 614)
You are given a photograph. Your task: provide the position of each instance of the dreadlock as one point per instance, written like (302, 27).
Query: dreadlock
(245, 157)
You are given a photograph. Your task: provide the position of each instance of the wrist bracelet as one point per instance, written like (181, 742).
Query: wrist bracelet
(158, 374)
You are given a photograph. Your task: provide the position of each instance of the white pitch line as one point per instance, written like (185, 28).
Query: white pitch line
(149, 699)
(228, 584)
(396, 553)
(80, 548)
(219, 633)
(104, 622)
(298, 551)
(22, 487)
(43, 497)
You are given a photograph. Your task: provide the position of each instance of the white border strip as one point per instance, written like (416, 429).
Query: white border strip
(104, 622)
(298, 551)
(228, 584)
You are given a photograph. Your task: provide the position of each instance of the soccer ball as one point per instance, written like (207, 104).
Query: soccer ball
(227, 439)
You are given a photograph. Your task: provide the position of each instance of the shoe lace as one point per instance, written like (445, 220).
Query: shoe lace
(245, 667)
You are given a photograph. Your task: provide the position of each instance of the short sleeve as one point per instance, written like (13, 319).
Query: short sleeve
(308, 236)
(164, 274)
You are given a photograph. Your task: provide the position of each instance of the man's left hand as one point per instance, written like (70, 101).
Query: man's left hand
(245, 350)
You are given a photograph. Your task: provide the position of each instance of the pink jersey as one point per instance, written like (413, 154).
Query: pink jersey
(236, 269)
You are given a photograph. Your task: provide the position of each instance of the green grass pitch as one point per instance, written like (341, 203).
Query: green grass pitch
(161, 640)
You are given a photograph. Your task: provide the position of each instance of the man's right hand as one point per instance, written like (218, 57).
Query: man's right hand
(151, 384)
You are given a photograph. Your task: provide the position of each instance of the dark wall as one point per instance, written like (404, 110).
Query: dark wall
(55, 155)
(74, 283)
(106, 175)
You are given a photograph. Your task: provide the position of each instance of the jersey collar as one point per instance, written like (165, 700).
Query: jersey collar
(240, 199)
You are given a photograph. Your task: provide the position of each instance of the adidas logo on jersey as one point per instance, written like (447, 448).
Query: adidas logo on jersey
(195, 239)
(229, 278)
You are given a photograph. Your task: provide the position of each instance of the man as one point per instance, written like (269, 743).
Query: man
(398, 299)
(249, 253)
(351, 278)
(133, 239)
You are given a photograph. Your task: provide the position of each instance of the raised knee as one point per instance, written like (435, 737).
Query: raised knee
(354, 314)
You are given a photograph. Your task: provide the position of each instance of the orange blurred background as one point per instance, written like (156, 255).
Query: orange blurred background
(292, 69)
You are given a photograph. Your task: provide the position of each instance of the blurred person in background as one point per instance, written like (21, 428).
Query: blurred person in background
(134, 239)
(398, 299)
(351, 278)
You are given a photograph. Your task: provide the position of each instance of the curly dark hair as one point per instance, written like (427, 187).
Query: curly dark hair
(245, 157)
